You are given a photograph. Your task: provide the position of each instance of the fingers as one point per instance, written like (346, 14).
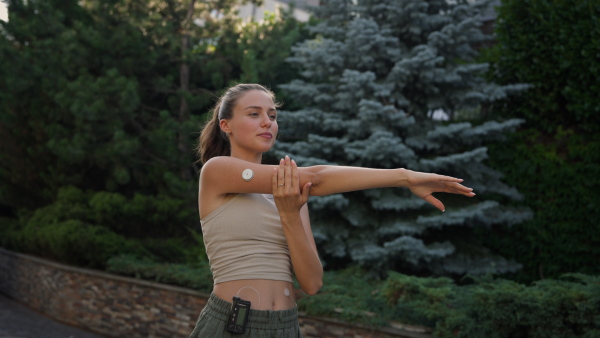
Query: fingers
(295, 177)
(306, 192)
(456, 188)
(288, 175)
(441, 183)
(274, 180)
(281, 175)
(286, 186)
(453, 185)
(449, 179)
(435, 202)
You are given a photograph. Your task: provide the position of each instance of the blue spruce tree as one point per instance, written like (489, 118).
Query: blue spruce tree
(370, 81)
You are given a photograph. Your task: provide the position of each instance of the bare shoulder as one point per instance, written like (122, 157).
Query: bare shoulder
(213, 165)
(210, 194)
(218, 170)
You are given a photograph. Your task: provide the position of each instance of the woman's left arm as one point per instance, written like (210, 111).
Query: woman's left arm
(293, 212)
(328, 180)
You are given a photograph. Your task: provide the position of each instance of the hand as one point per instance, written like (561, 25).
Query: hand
(286, 187)
(424, 185)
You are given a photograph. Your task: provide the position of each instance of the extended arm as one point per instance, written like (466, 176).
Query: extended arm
(223, 175)
(335, 179)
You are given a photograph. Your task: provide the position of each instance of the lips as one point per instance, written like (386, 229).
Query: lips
(266, 135)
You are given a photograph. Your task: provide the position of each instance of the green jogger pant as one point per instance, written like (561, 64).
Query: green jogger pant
(212, 322)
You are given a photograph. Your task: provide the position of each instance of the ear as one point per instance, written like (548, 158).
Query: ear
(224, 124)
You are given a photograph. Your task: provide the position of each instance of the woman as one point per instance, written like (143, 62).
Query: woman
(254, 243)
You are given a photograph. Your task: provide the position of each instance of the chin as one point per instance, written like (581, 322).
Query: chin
(268, 147)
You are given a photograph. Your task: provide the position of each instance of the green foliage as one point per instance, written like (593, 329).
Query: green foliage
(197, 276)
(480, 307)
(88, 99)
(553, 161)
(258, 49)
(140, 216)
(87, 228)
(428, 295)
(554, 46)
(559, 176)
(176, 250)
(499, 308)
(96, 95)
(73, 242)
(349, 295)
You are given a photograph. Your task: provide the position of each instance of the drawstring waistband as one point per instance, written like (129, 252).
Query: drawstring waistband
(258, 319)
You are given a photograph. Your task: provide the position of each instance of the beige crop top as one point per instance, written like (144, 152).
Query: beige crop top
(244, 240)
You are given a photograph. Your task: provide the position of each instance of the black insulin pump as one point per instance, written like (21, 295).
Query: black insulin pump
(239, 316)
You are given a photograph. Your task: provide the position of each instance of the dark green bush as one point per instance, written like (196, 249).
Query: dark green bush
(482, 307)
(197, 276)
(86, 229)
(141, 216)
(554, 46)
(176, 250)
(554, 161)
(74, 242)
(349, 295)
(559, 175)
(499, 308)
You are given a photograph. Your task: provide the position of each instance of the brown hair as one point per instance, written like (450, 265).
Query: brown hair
(213, 141)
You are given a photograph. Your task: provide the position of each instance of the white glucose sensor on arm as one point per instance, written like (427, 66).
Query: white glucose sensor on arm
(247, 174)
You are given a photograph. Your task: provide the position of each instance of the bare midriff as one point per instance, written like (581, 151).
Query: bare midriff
(273, 294)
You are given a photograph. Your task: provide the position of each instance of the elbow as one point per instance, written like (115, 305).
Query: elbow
(314, 177)
(313, 288)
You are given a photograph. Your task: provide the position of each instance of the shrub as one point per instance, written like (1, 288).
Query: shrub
(559, 176)
(87, 228)
(141, 216)
(554, 161)
(196, 276)
(554, 46)
(75, 242)
(349, 295)
(499, 308)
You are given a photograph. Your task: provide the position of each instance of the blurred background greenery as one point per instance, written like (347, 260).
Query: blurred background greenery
(101, 103)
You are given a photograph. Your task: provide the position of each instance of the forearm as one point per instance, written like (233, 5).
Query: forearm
(305, 260)
(329, 180)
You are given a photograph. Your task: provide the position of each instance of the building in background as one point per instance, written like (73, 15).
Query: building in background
(3, 12)
(301, 10)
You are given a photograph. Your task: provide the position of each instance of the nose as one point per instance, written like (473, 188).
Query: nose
(266, 121)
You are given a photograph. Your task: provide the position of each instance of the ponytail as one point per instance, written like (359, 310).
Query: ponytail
(213, 141)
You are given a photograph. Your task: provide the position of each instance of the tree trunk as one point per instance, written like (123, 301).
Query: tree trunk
(184, 89)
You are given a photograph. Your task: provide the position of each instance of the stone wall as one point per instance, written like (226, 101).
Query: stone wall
(117, 306)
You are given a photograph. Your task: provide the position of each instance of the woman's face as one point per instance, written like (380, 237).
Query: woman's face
(253, 127)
